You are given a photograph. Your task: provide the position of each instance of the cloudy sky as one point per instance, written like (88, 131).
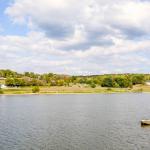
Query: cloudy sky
(75, 36)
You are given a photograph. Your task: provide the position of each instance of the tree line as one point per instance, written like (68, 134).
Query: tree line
(15, 79)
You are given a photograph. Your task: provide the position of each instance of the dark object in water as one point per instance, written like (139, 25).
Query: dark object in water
(145, 122)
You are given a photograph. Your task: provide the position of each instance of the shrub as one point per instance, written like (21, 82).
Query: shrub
(93, 85)
(35, 89)
(138, 79)
(107, 82)
(60, 82)
(122, 82)
(1, 91)
(116, 85)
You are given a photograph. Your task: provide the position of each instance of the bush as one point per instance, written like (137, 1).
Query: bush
(116, 85)
(138, 79)
(1, 91)
(35, 89)
(122, 82)
(15, 82)
(116, 82)
(107, 82)
(60, 83)
(93, 85)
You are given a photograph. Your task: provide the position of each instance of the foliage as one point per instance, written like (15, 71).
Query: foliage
(117, 82)
(60, 82)
(73, 78)
(107, 82)
(9, 82)
(122, 82)
(9, 73)
(138, 79)
(15, 79)
(93, 85)
(14, 82)
(1, 91)
(35, 89)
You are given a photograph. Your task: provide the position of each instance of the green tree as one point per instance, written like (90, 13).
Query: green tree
(9, 82)
(122, 82)
(107, 82)
(60, 82)
(138, 79)
(73, 78)
(82, 80)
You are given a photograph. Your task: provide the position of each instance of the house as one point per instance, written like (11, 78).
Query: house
(147, 83)
(3, 86)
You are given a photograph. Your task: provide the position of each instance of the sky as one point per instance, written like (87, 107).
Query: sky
(75, 37)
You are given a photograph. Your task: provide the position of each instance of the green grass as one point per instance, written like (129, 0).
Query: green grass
(76, 89)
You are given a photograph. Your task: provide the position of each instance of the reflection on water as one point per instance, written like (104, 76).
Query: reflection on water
(74, 122)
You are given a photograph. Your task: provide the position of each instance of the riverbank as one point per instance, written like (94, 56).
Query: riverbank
(76, 89)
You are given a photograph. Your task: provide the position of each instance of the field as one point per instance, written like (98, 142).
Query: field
(76, 89)
(2, 81)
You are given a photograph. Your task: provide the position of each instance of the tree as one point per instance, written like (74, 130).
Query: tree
(60, 82)
(19, 82)
(9, 82)
(138, 79)
(82, 80)
(107, 82)
(89, 81)
(73, 78)
(15, 82)
(122, 82)
(97, 81)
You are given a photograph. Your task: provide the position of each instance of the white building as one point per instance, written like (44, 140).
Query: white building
(3, 86)
(147, 83)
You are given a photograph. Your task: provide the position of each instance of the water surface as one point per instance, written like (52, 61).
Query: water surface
(74, 122)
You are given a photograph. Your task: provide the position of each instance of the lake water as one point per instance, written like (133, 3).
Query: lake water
(74, 122)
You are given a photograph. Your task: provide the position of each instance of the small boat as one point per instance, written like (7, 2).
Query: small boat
(145, 122)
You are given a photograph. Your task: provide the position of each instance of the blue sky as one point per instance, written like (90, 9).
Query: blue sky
(75, 37)
(7, 27)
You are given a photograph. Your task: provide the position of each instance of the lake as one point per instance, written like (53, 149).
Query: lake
(74, 122)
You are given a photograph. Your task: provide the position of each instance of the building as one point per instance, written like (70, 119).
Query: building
(3, 86)
(147, 83)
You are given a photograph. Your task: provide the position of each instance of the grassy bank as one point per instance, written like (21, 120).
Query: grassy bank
(76, 89)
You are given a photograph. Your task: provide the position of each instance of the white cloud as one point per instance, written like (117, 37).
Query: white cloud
(35, 52)
(78, 37)
(92, 14)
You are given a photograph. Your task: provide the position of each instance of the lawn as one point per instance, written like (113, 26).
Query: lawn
(76, 89)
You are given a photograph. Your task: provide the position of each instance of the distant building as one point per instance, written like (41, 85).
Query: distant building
(147, 83)
(3, 86)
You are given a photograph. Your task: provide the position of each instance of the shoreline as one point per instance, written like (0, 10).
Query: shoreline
(63, 90)
(69, 93)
